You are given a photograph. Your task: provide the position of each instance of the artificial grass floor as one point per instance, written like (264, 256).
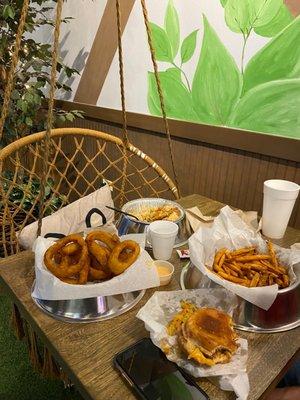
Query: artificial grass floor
(18, 381)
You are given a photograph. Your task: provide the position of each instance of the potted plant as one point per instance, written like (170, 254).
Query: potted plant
(28, 106)
(32, 77)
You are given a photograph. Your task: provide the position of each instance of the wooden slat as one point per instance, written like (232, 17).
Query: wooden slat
(277, 146)
(231, 176)
(102, 52)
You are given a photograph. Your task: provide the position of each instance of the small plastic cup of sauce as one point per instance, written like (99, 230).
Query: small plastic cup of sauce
(165, 271)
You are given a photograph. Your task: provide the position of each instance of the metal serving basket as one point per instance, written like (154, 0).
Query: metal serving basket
(91, 309)
(283, 315)
(126, 225)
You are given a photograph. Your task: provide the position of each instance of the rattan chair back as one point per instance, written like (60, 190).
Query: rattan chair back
(80, 159)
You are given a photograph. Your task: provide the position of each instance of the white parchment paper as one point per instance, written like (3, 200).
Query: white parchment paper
(230, 231)
(160, 309)
(142, 274)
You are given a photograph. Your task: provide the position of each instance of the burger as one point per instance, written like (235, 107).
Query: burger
(207, 336)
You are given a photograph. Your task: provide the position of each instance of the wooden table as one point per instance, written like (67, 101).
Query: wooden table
(86, 351)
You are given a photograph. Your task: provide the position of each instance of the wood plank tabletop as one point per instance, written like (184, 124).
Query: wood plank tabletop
(86, 351)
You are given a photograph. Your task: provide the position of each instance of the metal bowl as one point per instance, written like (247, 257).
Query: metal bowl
(126, 225)
(283, 315)
(91, 309)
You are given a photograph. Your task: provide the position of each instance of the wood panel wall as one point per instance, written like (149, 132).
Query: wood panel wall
(231, 176)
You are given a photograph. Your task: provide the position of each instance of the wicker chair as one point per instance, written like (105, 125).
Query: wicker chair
(80, 160)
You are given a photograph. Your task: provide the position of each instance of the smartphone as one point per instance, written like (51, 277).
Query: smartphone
(153, 377)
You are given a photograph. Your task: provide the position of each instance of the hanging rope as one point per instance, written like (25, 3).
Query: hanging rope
(14, 61)
(125, 138)
(49, 123)
(5, 108)
(160, 92)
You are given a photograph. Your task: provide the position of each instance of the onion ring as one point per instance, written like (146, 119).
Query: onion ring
(109, 239)
(64, 269)
(97, 274)
(70, 281)
(116, 262)
(101, 253)
(98, 271)
(83, 274)
(70, 249)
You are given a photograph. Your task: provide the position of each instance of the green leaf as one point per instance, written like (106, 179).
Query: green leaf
(277, 24)
(161, 43)
(263, 11)
(172, 27)
(279, 59)
(178, 100)
(11, 12)
(270, 108)
(8, 12)
(217, 80)
(223, 2)
(15, 95)
(238, 15)
(22, 105)
(175, 72)
(61, 118)
(28, 97)
(70, 117)
(188, 47)
(28, 121)
(244, 15)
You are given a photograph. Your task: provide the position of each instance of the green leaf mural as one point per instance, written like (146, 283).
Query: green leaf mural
(279, 59)
(161, 43)
(277, 24)
(263, 11)
(175, 72)
(178, 100)
(244, 15)
(238, 16)
(262, 96)
(217, 81)
(272, 108)
(188, 47)
(172, 28)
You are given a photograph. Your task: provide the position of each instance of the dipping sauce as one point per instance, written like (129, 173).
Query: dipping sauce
(163, 270)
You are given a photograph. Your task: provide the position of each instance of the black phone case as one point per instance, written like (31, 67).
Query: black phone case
(134, 387)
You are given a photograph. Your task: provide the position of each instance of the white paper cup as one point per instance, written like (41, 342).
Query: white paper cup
(162, 235)
(279, 200)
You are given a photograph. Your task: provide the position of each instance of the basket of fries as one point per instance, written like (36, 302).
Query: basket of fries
(233, 255)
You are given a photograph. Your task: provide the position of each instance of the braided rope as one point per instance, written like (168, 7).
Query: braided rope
(125, 138)
(49, 123)
(160, 92)
(5, 107)
(14, 61)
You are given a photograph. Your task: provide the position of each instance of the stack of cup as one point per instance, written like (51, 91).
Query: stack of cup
(279, 199)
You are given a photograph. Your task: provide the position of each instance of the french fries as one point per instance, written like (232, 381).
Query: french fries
(249, 268)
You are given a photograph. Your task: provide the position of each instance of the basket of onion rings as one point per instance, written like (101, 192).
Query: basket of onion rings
(99, 264)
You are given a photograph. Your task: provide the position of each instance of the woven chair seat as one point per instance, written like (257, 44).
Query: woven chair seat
(80, 159)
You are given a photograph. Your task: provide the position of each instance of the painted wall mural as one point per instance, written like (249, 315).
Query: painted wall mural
(260, 95)
(233, 63)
